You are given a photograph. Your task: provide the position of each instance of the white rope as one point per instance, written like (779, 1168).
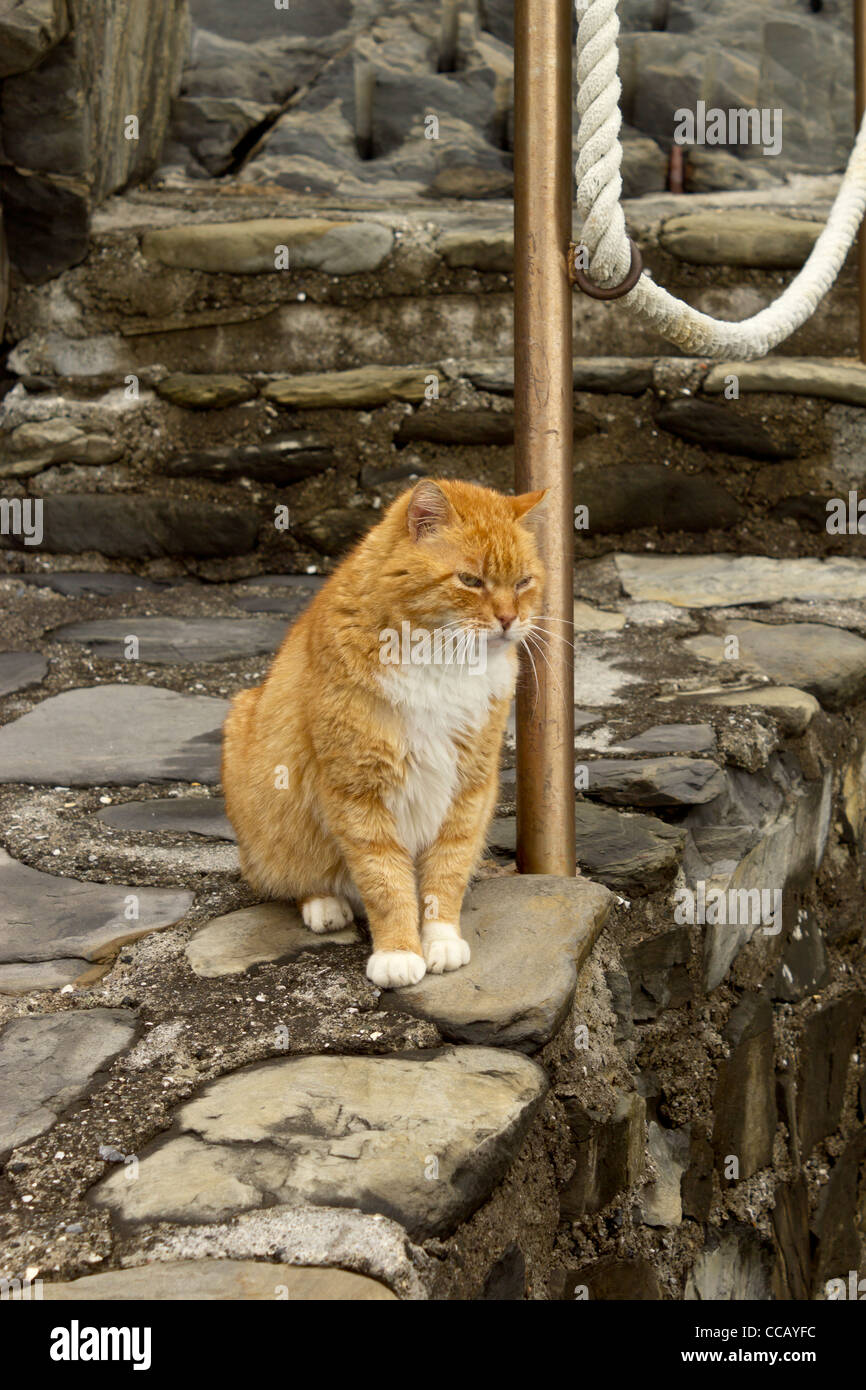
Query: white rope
(599, 188)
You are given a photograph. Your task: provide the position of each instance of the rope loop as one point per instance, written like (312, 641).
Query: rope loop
(610, 249)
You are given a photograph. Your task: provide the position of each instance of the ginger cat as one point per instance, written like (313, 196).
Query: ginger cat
(363, 773)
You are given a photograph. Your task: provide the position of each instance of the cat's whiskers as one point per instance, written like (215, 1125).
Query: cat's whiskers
(534, 638)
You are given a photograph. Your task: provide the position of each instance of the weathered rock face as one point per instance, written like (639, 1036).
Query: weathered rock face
(793, 60)
(85, 105)
(337, 98)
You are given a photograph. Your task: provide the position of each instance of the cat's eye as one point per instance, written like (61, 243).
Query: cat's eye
(522, 583)
(471, 581)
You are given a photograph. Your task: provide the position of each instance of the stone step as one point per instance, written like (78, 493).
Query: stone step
(167, 271)
(333, 1131)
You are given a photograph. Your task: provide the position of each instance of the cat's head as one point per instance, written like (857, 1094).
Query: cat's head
(468, 559)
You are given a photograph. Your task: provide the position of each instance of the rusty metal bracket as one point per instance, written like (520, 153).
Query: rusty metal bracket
(581, 279)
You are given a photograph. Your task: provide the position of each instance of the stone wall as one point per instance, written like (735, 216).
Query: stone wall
(84, 103)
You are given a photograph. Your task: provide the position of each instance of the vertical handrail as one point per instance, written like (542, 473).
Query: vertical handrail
(543, 409)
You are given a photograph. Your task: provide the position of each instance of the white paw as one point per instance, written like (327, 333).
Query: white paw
(392, 969)
(444, 947)
(326, 914)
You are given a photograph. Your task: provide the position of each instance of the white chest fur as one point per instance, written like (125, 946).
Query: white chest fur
(437, 703)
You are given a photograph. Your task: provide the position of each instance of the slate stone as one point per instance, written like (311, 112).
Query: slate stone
(220, 1280)
(629, 497)
(48, 1061)
(58, 441)
(609, 1154)
(658, 971)
(793, 818)
(142, 528)
(175, 641)
(826, 1043)
(334, 530)
(249, 248)
(193, 815)
(697, 1184)
(467, 427)
(73, 583)
(506, 1281)
(27, 977)
(227, 1280)
(674, 781)
(828, 662)
(803, 968)
(790, 1216)
(75, 145)
(792, 709)
(673, 738)
(20, 669)
(270, 932)
(660, 1202)
(340, 1131)
(110, 735)
(735, 1266)
(478, 248)
(281, 460)
(529, 936)
(721, 427)
(47, 224)
(827, 378)
(620, 376)
(589, 619)
(721, 581)
(745, 1101)
(215, 130)
(267, 22)
(838, 1219)
(28, 30)
(359, 389)
(632, 854)
(740, 238)
(44, 918)
(291, 604)
(203, 392)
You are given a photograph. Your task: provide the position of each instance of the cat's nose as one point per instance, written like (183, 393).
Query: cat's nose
(506, 619)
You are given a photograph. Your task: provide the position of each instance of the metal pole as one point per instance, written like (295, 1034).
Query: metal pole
(543, 182)
(859, 106)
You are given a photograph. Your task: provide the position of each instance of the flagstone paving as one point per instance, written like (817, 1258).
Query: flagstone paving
(354, 1131)
(195, 815)
(267, 932)
(66, 925)
(143, 734)
(178, 641)
(278, 1105)
(824, 661)
(47, 1062)
(21, 669)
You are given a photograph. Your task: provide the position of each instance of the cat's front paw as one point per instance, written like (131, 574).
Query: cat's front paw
(444, 947)
(326, 914)
(393, 969)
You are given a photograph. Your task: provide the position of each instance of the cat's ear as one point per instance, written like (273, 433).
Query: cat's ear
(526, 501)
(429, 509)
